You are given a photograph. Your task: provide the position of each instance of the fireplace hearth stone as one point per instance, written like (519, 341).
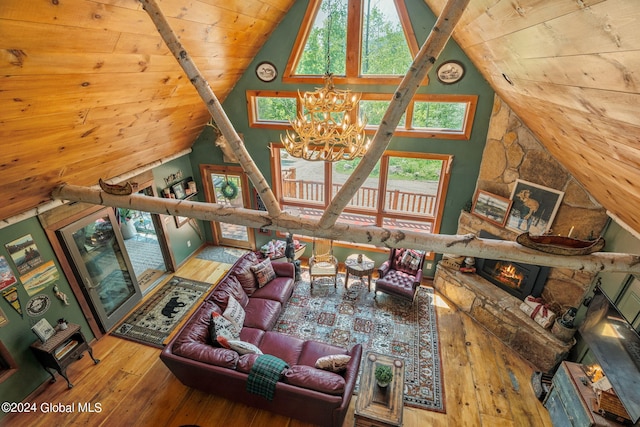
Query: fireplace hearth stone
(499, 312)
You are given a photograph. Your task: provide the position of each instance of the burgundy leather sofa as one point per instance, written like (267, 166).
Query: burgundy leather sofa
(306, 393)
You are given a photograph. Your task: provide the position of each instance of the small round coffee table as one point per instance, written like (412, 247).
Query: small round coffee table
(359, 265)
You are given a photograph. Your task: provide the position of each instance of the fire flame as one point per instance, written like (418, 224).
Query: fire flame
(509, 273)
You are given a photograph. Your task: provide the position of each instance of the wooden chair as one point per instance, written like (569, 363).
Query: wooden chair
(322, 262)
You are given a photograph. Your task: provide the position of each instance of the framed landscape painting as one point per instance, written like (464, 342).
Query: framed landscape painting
(491, 207)
(533, 208)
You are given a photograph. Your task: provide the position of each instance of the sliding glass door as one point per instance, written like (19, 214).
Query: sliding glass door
(102, 266)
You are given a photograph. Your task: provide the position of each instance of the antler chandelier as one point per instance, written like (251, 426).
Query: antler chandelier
(325, 129)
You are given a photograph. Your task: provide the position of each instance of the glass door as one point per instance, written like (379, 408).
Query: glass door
(96, 249)
(228, 186)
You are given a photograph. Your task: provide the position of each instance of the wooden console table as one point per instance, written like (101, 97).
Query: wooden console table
(377, 406)
(61, 350)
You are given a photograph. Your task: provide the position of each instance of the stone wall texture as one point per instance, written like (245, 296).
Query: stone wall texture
(512, 152)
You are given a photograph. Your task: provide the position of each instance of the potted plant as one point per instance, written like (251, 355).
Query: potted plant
(383, 375)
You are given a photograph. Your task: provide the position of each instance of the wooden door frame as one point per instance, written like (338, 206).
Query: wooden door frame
(205, 172)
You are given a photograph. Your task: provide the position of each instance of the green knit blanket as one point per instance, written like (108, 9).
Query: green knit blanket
(264, 375)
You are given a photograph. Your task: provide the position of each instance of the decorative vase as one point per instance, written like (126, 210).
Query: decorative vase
(128, 229)
(562, 332)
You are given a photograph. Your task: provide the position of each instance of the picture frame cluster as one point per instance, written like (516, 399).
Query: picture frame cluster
(531, 207)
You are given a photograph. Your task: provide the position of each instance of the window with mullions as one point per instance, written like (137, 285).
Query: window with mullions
(404, 191)
(353, 39)
(428, 116)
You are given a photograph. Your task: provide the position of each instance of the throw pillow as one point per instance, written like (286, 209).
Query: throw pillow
(221, 327)
(333, 363)
(264, 272)
(235, 314)
(411, 259)
(241, 347)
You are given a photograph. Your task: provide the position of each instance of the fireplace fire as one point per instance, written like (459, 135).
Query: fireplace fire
(519, 279)
(508, 274)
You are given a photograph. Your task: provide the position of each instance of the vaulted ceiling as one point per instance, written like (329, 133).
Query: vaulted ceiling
(89, 90)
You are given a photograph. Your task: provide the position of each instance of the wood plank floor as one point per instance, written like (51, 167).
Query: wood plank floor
(486, 384)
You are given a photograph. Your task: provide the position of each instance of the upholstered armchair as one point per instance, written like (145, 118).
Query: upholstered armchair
(322, 262)
(401, 274)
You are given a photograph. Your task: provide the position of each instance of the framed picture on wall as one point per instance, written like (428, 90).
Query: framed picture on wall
(3, 318)
(533, 208)
(181, 220)
(491, 207)
(178, 190)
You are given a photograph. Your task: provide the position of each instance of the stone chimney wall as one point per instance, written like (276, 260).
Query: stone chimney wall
(512, 152)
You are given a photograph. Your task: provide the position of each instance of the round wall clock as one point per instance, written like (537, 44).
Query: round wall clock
(38, 305)
(450, 72)
(266, 71)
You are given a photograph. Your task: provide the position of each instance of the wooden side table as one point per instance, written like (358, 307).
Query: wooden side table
(61, 350)
(359, 265)
(377, 406)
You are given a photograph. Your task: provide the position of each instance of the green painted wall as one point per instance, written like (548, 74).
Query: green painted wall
(184, 240)
(17, 335)
(467, 154)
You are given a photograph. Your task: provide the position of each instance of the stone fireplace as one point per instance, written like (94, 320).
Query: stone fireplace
(498, 310)
(519, 279)
(512, 152)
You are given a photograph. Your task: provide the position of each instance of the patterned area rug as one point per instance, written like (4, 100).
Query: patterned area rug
(221, 254)
(153, 321)
(387, 325)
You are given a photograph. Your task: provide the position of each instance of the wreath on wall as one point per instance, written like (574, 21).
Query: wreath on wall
(229, 190)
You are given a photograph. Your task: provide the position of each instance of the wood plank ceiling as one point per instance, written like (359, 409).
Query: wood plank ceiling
(89, 90)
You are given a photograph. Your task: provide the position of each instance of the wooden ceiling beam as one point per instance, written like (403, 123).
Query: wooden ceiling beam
(467, 245)
(214, 107)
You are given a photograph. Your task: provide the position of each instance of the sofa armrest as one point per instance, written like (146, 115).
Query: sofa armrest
(418, 278)
(283, 269)
(350, 378)
(384, 269)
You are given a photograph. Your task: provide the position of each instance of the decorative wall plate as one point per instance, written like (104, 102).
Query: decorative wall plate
(38, 305)
(450, 72)
(266, 71)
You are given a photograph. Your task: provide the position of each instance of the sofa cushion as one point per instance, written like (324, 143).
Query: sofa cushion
(283, 346)
(229, 286)
(279, 289)
(262, 313)
(410, 261)
(241, 347)
(264, 272)
(235, 314)
(242, 271)
(245, 362)
(313, 350)
(220, 326)
(333, 363)
(315, 379)
(252, 335)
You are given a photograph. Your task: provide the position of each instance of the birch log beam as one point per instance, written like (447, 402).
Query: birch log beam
(213, 105)
(467, 245)
(421, 65)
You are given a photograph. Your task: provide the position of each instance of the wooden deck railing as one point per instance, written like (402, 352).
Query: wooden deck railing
(366, 197)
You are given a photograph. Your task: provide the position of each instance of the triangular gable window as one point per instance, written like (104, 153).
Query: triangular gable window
(358, 41)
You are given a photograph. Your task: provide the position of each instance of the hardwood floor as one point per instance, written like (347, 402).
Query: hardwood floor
(486, 384)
